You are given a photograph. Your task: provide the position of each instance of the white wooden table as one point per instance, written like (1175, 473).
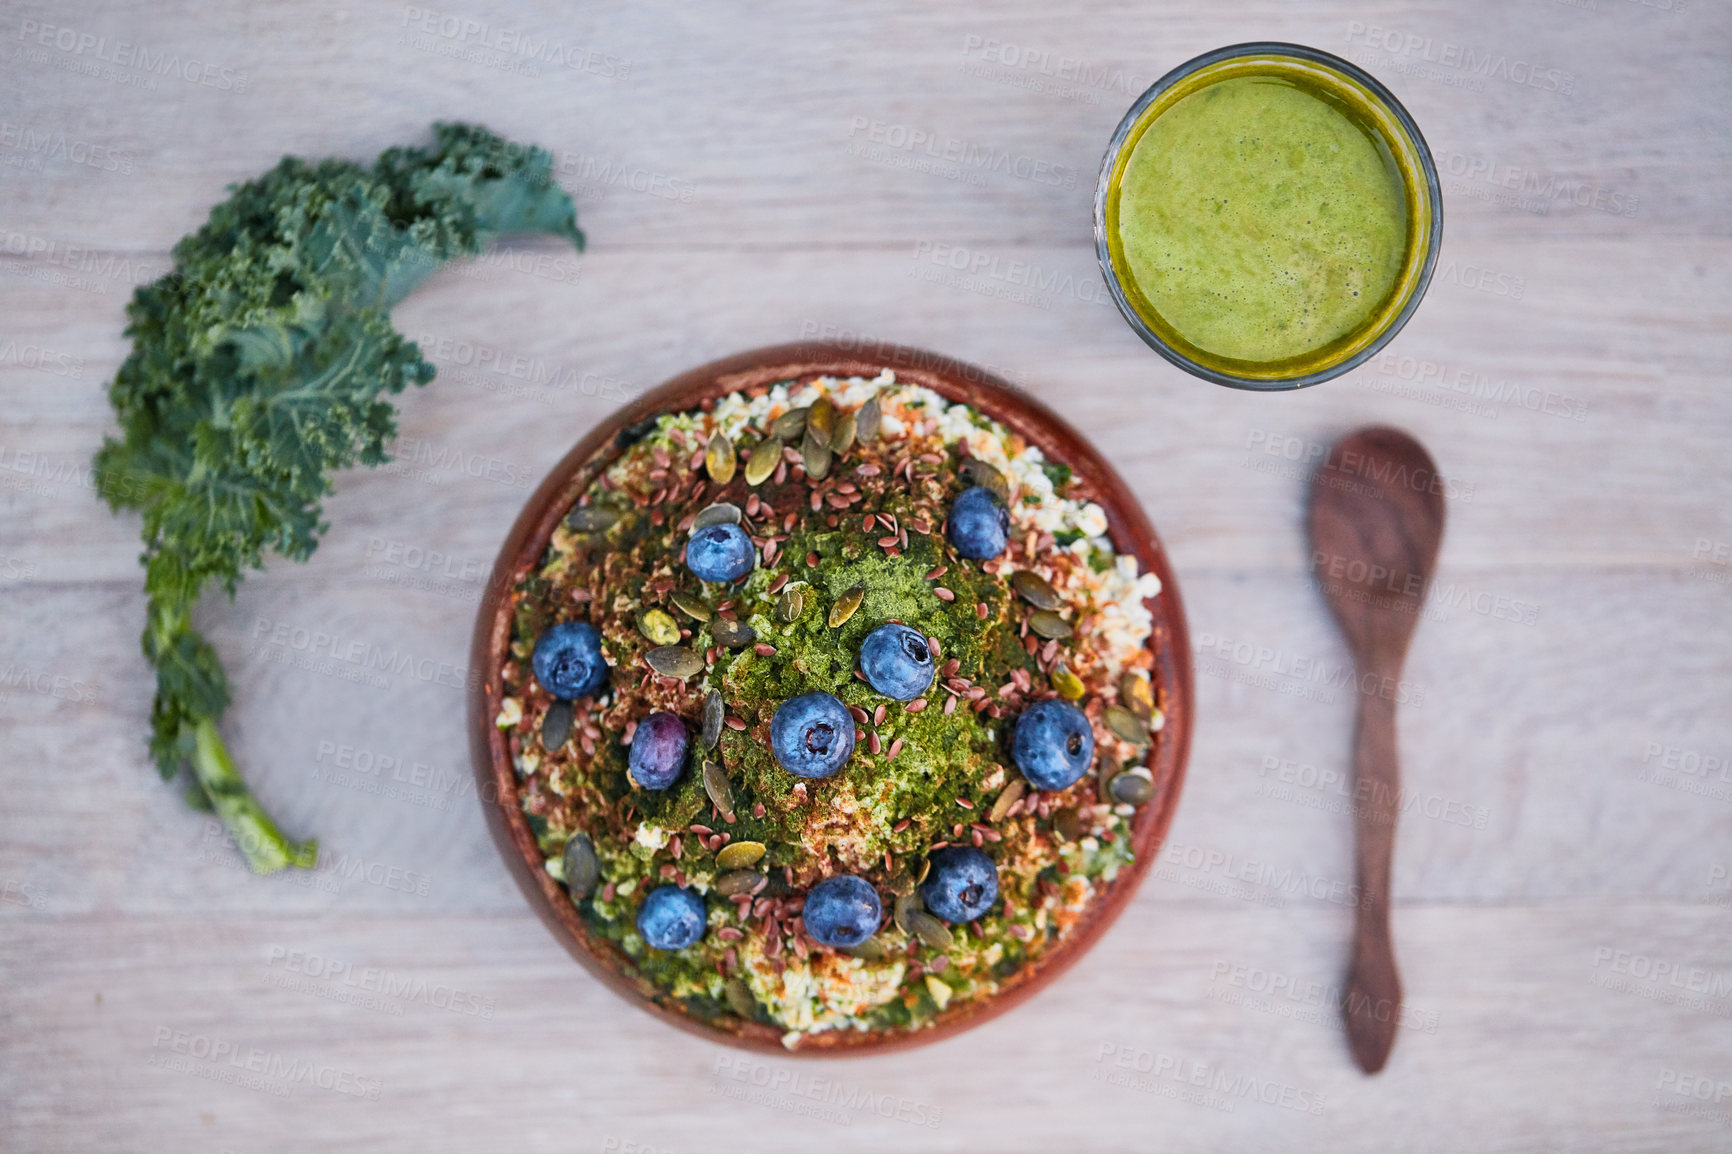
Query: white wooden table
(1564, 910)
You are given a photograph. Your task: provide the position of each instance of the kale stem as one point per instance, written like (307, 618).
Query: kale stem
(256, 835)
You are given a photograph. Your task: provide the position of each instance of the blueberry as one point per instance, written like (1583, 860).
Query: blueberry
(671, 918)
(812, 735)
(658, 751)
(720, 552)
(896, 661)
(978, 524)
(568, 661)
(962, 884)
(842, 911)
(1054, 745)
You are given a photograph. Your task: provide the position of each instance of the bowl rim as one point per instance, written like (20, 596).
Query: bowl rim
(496, 779)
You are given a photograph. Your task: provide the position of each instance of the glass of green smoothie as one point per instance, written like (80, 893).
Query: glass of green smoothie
(1267, 216)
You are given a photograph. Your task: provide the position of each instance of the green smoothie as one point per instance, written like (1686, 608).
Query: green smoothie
(1260, 220)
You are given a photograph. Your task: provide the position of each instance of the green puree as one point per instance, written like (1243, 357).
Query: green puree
(1260, 221)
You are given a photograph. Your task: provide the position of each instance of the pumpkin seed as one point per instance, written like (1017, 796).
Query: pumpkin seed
(930, 930)
(1009, 796)
(1034, 589)
(868, 421)
(733, 634)
(1131, 788)
(845, 606)
(739, 882)
(719, 458)
(987, 477)
(739, 854)
(1136, 695)
(1068, 684)
(556, 726)
(842, 437)
(582, 870)
(870, 950)
(909, 903)
(713, 713)
(691, 606)
(791, 604)
(721, 511)
(790, 424)
(716, 786)
(925, 868)
(659, 626)
(1067, 823)
(740, 998)
(821, 421)
(763, 460)
(1125, 725)
(815, 455)
(591, 518)
(1049, 625)
(1105, 772)
(674, 661)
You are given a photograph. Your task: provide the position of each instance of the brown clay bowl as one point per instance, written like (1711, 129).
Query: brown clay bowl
(1130, 531)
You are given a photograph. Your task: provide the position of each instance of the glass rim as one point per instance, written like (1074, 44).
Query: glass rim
(1433, 192)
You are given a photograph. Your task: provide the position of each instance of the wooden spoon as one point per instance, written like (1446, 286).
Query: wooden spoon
(1376, 522)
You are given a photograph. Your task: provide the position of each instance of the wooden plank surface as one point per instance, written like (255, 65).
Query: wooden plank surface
(1563, 904)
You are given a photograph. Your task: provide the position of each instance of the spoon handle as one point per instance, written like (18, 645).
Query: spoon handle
(1372, 1005)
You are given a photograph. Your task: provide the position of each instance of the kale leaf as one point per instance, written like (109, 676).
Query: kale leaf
(261, 365)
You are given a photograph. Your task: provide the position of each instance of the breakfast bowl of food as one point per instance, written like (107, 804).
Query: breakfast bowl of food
(828, 702)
